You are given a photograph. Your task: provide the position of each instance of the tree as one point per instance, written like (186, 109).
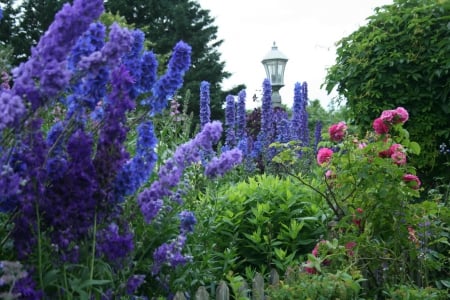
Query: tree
(165, 22)
(400, 58)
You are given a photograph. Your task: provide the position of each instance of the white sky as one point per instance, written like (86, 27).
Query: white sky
(305, 31)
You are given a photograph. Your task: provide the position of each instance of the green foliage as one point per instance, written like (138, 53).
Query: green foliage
(270, 222)
(405, 292)
(303, 286)
(400, 58)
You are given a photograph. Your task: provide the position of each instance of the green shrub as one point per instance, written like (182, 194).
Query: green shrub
(300, 285)
(269, 221)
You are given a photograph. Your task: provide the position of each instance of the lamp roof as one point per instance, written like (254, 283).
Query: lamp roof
(274, 54)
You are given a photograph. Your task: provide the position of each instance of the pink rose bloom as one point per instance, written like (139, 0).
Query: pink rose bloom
(388, 116)
(401, 115)
(412, 181)
(324, 155)
(398, 154)
(337, 131)
(380, 126)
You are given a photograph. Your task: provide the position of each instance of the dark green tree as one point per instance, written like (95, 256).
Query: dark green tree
(165, 22)
(400, 58)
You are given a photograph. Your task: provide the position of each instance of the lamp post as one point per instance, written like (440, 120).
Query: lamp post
(274, 63)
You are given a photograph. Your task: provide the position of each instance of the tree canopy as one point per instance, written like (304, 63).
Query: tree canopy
(400, 58)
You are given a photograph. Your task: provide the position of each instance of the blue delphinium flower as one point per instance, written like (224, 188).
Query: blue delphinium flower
(119, 43)
(218, 166)
(92, 40)
(113, 244)
(11, 108)
(132, 59)
(111, 154)
(187, 221)
(134, 282)
(267, 114)
(150, 199)
(46, 72)
(241, 115)
(87, 92)
(9, 188)
(296, 120)
(205, 111)
(283, 135)
(170, 254)
(149, 68)
(172, 80)
(139, 169)
(230, 122)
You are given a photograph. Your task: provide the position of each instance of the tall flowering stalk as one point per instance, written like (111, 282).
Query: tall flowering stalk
(169, 83)
(241, 115)
(230, 122)
(304, 126)
(46, 73)
(151, 200)
(266, 114)
(205, 110)
(299, 121)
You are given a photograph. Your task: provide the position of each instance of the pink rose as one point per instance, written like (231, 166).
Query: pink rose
(324, 155)
(388, 116)
(398, 154)
(380, 126)
(412, 181)
(395, 116)
(337, 131)
(401, 115)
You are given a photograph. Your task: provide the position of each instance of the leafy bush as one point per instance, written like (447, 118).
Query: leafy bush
(268, 221)
(303, 286)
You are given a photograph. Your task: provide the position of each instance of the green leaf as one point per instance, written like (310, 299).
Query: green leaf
(414, 148)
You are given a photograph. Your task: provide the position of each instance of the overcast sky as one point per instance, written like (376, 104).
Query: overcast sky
(305, 31)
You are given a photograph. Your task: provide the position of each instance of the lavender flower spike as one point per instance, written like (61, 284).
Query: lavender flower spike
(151, 199)
(45, 74)
(170, 82)
(230, 120)
(227, 160)
(205, 111)
(241, 114)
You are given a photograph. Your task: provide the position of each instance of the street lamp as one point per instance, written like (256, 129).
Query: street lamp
(275, 62)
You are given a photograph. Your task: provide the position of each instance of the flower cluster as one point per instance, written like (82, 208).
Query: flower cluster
(218, 166)
(151, 199)
(388, 118)
(337, 131)
(205, 111)
(324, 156)
(230, 122)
